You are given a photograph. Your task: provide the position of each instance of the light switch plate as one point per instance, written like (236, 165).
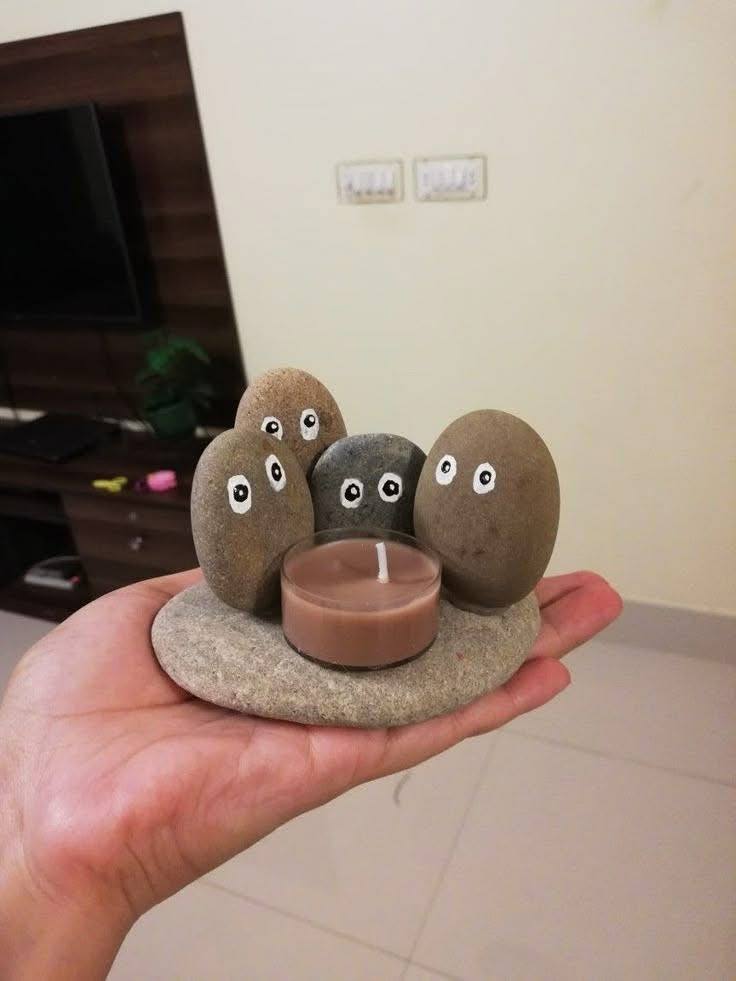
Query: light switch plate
(370, 182)
(450, 178)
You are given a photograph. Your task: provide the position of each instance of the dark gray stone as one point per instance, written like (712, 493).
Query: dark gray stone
(367, 481)
(242, 662)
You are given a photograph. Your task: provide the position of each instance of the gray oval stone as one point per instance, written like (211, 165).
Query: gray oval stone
(366, 481)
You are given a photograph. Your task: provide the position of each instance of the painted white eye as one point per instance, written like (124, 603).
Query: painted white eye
(390, 487)
(484, 478)
(275, 473)
(273, 427)
(351, 492)
(239, 494)
(446, 469)
(309, 424)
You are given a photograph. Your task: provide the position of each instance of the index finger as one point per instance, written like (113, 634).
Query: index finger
(574, 608)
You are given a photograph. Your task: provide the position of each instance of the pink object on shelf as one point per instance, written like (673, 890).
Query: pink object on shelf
(161, 480)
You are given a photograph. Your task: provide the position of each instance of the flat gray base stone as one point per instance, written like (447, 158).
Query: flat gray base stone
(242, 662)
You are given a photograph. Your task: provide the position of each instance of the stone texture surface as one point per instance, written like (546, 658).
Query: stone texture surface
(354, 483)
(250, 502)
(242, 662)
(488, 501)
(294, 407)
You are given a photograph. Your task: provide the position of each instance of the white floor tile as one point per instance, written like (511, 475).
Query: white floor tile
(665, 709)
(204, 933)
(17, 634)
(368, 863)
(574, 866)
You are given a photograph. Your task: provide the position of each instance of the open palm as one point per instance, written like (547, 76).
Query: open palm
(125, 788)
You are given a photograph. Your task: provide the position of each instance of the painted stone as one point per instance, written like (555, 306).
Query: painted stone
(488, 500)
(250, 502)
(367, 481)
(295, 408)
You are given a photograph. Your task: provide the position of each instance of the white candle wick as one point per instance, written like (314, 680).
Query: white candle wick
(382, 562)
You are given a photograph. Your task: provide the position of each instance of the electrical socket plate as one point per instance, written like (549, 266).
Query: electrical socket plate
(370, 182)
(450, 178)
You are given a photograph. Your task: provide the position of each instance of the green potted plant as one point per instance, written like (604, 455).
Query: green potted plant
(174, 383)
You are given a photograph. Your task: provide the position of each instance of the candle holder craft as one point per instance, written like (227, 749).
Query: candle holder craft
(318, 606)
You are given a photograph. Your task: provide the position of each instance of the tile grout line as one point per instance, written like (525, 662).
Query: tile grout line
(315, 924)
(443, 975)
(590, 751)
(452, 849)
(434, 970)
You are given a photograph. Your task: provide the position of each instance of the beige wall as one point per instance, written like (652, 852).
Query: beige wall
(593, 293)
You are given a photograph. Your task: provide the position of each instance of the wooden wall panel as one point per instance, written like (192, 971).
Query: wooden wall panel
(138, 75)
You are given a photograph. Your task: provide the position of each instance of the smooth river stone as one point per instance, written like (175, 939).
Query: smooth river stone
(367, 481)
(292, 406)
(250, 502)
(488, 501)
(242, 662)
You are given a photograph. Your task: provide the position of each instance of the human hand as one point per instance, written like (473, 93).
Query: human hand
(119, 787)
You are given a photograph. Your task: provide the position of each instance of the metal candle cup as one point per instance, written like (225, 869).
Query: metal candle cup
(360, 599)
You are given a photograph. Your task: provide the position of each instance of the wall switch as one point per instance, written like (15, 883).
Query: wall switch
(370, 182)
(450, 178)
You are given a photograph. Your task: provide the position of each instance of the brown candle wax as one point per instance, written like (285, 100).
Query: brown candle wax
(347, 602)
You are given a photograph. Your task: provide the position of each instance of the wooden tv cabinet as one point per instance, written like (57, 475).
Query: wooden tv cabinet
(121, 538)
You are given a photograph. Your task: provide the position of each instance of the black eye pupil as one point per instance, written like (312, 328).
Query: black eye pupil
(352, 492)
(309, 421)
(272, 427)
(240, 493)
(276, 471)
(445, 468)
(485, 477)
(391, 488)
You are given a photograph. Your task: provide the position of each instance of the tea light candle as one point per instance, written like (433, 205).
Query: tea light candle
(360, 599)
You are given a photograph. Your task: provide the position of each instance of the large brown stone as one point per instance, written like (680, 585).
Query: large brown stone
(250, 502)
(488, 500)
(294, 407)
(242, 662)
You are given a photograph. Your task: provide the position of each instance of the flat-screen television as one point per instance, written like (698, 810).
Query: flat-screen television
(63, 253)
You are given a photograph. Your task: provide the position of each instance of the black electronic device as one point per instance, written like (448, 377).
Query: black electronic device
(63, 250)
(55, 437)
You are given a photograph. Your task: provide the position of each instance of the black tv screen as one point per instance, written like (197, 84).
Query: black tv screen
(63, 254)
